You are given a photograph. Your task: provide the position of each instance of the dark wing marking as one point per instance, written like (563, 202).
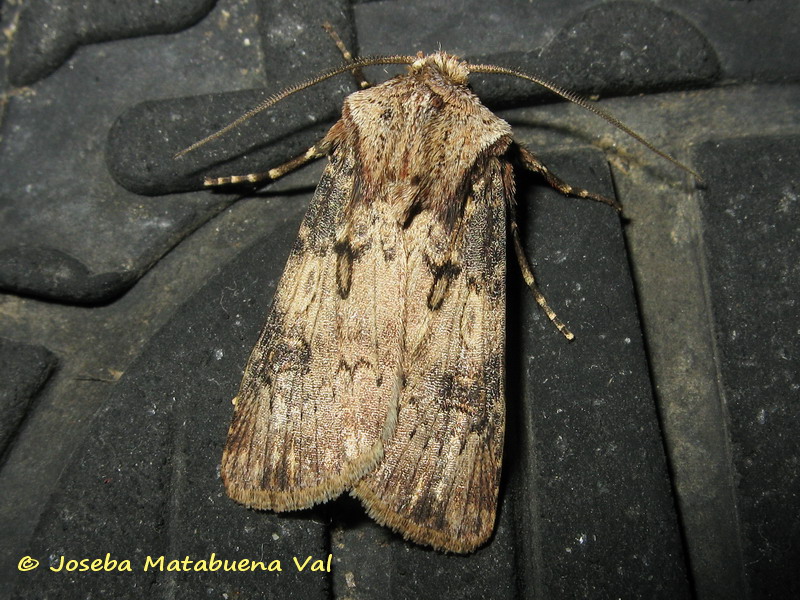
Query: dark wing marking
(439, 478)
(320, 390)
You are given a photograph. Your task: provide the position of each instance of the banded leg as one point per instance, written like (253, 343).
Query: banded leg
(362, 81)
(530, 162)
(527, 275)
(316, 151)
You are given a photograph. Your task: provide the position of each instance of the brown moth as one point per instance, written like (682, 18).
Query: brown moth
(380, 369)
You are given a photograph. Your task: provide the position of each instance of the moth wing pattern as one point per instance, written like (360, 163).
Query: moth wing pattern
(319, 390)
(439, 478)
(381, 367)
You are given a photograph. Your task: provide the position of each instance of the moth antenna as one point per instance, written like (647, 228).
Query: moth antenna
(591, 106)
(275, 98)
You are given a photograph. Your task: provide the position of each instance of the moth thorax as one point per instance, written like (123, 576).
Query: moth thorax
(451, 67)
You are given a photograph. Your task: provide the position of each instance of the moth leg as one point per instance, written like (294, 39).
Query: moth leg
(527, 275)
(316, 151)
(362, 81)
(530, 162)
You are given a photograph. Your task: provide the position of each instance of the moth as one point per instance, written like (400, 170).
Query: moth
(380, 369)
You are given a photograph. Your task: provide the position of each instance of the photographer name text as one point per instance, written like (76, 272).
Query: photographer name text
(188, 564)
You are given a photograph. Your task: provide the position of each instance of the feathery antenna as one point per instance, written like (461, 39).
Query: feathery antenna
(355, 65)
(275, 98)
(590, 106)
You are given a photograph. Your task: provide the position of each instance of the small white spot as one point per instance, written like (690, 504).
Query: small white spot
(582, 539)
(156, 223)
(762, 417)
(627, 340)
(275, 537)
(218, 354)
(246, 41)
(350, 579)
(559, 257)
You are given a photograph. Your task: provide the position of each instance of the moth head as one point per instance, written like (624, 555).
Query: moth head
(451, 67)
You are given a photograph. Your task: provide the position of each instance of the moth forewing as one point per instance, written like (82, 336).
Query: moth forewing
(438, 481)
(318, 391)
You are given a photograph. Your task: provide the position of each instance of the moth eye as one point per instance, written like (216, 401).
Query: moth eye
(437, 102)
(387, 114)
